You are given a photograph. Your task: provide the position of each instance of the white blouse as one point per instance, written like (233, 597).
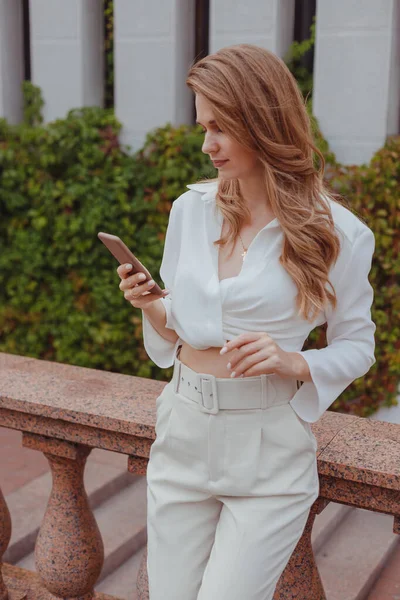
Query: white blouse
(206, 312)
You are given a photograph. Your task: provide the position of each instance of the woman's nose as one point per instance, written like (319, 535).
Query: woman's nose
(209, 145)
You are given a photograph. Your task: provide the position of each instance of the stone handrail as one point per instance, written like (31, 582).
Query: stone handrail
(65, 411)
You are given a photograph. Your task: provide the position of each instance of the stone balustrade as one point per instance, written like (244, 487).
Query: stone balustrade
(65, 411)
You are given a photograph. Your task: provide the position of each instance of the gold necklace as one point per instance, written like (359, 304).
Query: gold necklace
(244, 249)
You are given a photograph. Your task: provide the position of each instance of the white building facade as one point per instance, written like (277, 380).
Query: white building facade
(356, 67)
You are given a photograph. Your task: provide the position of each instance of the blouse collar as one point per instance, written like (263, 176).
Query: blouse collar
(208, 191)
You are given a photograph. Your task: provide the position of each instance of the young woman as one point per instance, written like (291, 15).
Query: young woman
(253, 261)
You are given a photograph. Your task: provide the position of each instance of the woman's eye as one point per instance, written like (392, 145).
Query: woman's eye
(217, 130)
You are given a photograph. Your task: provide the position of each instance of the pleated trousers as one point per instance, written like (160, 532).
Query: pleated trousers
(228, 497)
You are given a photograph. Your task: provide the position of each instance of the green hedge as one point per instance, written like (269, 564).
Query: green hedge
(59, 185)
(63, 182)
(373, 192)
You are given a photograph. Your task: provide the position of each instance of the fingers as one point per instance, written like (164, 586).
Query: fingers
(244, 351)
(129, 281)
(135, 287)
(239, 341)
(123, 270)
(133, 292)
(144, 300)
(247, 363)
(266, 367)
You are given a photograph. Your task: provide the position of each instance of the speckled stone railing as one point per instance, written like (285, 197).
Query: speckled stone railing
(65, 411)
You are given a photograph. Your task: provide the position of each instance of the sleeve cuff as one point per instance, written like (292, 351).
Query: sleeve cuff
(315, 397)
(161, 351)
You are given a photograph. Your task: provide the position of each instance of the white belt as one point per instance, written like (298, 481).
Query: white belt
(214, 393)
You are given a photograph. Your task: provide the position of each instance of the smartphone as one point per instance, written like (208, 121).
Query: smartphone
(123, 255)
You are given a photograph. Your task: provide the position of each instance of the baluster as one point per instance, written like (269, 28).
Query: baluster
(142, 583)
(301, 578)
(396, 524)
(5, 535)
(138, 466)
(69, 550)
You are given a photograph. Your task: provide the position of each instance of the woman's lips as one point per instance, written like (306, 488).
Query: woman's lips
(219, 163)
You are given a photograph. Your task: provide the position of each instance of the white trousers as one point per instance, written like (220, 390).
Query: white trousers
(228, 498)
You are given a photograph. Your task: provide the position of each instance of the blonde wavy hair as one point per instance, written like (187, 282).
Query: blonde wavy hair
(256, 101)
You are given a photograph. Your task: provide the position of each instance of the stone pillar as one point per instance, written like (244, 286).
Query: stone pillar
(356, 94)
(69, 550)
(396, 525)
(5, 535)
(154, 48)
(11, 60)
(142, 582)
(67, 54)
(266, 23)
(300, 578)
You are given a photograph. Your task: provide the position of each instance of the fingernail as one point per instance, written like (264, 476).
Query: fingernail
(142, 276)
(224, 349)
(233, 374)
(151, 282)
(229, 366)
(128, 267)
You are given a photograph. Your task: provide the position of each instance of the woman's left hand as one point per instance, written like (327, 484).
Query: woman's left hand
(258, 354)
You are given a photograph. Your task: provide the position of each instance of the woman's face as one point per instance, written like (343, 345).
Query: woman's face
(232, 160)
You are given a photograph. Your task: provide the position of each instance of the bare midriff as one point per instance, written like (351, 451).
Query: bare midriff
(230, 262)
(206, 361)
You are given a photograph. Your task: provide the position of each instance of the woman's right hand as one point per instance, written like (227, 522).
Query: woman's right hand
(135, 291)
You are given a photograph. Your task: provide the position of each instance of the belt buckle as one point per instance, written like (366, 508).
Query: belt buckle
(215, 407)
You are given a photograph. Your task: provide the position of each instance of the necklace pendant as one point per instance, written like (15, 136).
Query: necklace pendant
(244, 254)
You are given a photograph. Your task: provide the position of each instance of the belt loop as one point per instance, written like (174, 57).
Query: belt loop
(177, 375)
(264, 385)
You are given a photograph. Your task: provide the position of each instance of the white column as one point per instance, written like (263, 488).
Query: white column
(67, 53)
(11, 60)
(266, 23)
(356, 94)
(154, 48)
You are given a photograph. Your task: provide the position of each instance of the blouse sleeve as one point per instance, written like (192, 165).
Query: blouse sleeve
(161, 351)
(350, 336)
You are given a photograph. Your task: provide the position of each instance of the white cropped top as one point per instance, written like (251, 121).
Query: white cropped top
(205, 312)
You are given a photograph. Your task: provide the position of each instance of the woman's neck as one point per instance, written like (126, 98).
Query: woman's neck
(254, 195)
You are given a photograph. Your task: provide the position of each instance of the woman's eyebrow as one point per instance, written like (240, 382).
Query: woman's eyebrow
(212, 122)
